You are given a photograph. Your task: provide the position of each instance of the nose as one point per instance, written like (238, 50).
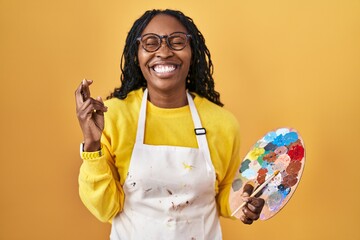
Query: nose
(164, 50)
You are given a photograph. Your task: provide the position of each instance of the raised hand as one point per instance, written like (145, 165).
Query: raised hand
(90, 113)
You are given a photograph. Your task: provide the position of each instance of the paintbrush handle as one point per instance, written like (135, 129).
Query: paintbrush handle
(257, 191)
(241, 206)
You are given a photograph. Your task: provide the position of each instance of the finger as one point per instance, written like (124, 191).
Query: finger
(103, 108)
(100, 99)
(248, 189)
(92, 106)
(246, 220)
(249, 214)
(87, 108)
(99, 105)
(85, 90)
(84, 110)
(256, 204)
(78, 95)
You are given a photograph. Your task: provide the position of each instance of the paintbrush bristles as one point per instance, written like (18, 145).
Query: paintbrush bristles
(257, 191)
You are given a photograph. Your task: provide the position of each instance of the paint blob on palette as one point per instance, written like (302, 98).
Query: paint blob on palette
(282, 150)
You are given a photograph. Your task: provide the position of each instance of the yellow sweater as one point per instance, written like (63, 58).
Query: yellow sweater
(101, 179)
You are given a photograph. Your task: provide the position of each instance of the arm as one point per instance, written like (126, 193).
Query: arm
(99, 186)
(230, 195)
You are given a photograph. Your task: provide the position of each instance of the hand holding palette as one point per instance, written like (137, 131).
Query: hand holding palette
(275, 164)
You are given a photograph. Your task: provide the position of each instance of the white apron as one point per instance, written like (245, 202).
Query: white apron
(169, 190)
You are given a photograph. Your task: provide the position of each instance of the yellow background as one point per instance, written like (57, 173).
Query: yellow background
(277, 63)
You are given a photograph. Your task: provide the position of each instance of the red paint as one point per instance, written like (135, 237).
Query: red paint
(296, 153)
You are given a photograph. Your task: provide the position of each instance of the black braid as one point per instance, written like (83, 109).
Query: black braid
(199, 79)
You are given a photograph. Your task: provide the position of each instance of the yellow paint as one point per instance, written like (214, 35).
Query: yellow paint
(255, 153)
(187, 166)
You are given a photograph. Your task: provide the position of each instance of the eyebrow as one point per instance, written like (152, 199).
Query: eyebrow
(164, 34)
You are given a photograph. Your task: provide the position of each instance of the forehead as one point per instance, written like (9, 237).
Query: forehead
(163, 24)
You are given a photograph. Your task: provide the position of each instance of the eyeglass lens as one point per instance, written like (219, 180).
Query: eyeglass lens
(175, 41)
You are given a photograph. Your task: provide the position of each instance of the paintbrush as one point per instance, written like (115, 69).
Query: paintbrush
(257, 190)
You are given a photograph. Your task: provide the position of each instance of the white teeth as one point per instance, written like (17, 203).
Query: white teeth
(164, 68)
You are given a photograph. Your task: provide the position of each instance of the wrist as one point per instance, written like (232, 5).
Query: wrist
(91, 146)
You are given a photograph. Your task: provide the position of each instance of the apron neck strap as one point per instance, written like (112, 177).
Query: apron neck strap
(200, 133)
(140, 132)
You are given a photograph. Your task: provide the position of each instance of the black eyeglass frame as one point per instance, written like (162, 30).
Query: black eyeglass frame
(166, 37)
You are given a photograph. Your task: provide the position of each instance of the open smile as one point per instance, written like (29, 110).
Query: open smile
(164, 68)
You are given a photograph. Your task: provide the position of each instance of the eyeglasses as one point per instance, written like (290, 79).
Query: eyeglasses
(151, 42)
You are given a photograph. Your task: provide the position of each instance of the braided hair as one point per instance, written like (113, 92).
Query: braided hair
(199, 79)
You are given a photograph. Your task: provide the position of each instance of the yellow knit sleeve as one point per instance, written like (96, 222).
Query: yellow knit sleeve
(99, 187)
(224, 187)
(224, 143)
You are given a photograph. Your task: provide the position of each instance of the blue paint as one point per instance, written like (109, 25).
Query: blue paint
(270, 147)
(279, 141)
(290, 138)
(270, 136)
(281, 187)
(270, 169)
(249, 173)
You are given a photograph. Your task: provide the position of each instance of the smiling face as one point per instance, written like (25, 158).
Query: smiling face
(165, 70)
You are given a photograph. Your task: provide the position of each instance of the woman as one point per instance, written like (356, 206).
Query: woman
(159, 164)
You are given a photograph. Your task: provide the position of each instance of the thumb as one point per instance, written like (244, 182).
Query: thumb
(100, 99)
(247, 190)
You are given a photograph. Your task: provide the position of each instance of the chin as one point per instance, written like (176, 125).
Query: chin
(166, 85)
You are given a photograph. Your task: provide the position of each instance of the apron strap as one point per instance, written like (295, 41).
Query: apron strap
(200, 134)
(140, 132)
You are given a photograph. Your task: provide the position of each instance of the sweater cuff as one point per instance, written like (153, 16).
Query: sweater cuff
(90, 155)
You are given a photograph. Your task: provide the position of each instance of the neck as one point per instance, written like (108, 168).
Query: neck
(168, 100)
